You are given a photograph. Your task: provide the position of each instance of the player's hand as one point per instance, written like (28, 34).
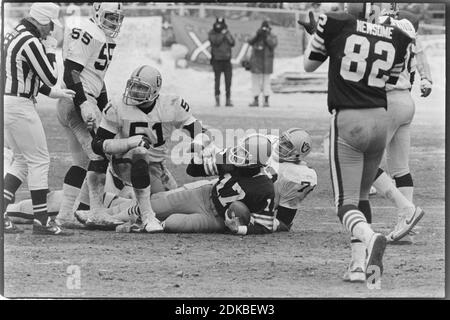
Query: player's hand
(88, 114)
(57, 93)
(233, 222)
(310, 26)
(139, 141)
(425, 87)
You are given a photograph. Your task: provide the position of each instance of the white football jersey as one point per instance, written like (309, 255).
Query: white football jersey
(294, 182)
(169, 113)
(404, 80)
(86, 44)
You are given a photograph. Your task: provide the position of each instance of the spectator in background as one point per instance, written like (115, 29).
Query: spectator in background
(221, 43)
(261, 62)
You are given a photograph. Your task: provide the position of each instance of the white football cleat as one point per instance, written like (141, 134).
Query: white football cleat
(406, 223)
(373, 191)
(375, 251)
(152, 225)
(354, 273)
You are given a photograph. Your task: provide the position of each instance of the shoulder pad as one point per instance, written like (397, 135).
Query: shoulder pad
(90, 27)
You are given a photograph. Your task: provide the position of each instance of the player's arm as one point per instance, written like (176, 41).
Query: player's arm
(104, 141)
(102, 99)
(210, 165)
(423, 67)
(71, 77)
(316, 52)
(284, 218)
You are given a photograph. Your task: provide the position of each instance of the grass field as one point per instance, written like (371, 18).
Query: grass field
(309, 261)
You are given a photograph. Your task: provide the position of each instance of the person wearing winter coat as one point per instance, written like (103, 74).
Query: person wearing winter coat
(261, 62)
(221, 43)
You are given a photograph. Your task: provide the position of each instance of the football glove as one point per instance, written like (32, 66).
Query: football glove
(425, 87)
(310, 26)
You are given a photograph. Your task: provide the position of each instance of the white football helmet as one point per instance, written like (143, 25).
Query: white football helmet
(143, 86)
(293, 145)
(253, 151)
(109, 16)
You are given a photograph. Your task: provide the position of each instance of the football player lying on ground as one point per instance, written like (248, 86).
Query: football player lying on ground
(203, 209)
(294, 181)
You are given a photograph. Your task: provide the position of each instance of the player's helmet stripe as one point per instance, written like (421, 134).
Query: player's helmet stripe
(139, 71)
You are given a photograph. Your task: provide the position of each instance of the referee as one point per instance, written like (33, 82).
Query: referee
(30, 67)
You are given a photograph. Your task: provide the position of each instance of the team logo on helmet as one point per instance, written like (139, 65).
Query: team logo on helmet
(306, 147)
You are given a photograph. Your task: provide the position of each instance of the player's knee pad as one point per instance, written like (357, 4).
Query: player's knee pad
(140, 177)
(364, 207)
(75, 176)
(98, 166)
(342, 210)
(404, 181)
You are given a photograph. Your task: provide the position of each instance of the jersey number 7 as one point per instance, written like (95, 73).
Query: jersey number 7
(354, 63)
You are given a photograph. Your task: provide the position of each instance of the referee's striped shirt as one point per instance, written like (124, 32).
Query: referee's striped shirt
(26, 62)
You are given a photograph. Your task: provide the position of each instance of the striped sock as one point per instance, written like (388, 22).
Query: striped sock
(11, 184)
(39, 199)
(355, 222)
(134, 212)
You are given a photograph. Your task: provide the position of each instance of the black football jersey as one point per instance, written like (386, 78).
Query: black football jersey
(256, 192)
(363, 57)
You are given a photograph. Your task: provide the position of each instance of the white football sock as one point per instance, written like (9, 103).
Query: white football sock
(407, 192)
(67, 205)
(387, 188)
(143, 200)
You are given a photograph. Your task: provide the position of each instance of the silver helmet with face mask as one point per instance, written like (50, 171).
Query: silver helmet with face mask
(109, 17)
(293, 145)
(143, 86)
